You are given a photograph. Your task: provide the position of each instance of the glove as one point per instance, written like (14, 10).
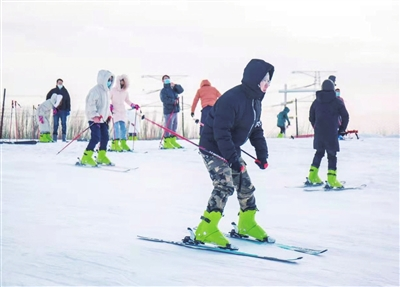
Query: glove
(342, 133)
(237, 166)
(108, 120)
(55, 110)
(135, 106)
(192, 115)
(41, 120)
(97, 120)
(112, 108)
(263, 164)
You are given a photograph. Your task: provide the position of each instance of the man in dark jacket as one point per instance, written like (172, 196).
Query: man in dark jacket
(62, 112)
(234, 119)
(324, 113)
(170, 99)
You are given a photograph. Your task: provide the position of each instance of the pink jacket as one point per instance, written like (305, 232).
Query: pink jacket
(118, 99)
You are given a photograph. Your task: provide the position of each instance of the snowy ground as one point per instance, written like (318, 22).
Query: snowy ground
(66, 225)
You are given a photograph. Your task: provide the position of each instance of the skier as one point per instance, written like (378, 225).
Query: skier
(281, 123)
(97, 111)
(120, 96)
(337, 91)
(170, 99)
(208, 95)
(233, 119)
(43, 113)
(324, 113)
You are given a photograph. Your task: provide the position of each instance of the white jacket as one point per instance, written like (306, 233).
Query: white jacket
(49, 104)
(98, 101)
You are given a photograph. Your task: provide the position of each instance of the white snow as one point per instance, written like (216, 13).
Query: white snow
(66, 225)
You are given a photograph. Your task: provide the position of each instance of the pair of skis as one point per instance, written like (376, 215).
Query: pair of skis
(307, 186)
(190, 242)
(110, 167)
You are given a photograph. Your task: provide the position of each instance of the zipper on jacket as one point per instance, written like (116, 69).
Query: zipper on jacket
(254, 121)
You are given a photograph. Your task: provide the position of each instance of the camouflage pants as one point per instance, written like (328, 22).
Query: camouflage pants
(225, 180)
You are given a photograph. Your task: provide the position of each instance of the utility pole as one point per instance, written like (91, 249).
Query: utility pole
(316, 75)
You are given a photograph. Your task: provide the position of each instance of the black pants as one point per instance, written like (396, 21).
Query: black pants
(98, 133)
(332, 159)
(283, 130)
(204, 114)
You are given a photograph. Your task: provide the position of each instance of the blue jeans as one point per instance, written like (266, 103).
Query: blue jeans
(98, 133)
(171, 123)
(60, 115)
(119, 130)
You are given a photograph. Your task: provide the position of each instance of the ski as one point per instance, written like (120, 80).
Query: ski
(106, 167)
(234, 234)
(20, 142)
(188, 242)
(329, 188)
(308, 184)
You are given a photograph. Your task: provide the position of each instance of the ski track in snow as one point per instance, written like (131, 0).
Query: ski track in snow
(64, 225)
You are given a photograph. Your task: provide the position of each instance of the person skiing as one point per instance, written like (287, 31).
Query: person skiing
(97, 112)
(120, 96)
(43, 114)
(233, 120)
(169, 96)
(281, 123)
(208, 95)
(324, 113)
(337, 91)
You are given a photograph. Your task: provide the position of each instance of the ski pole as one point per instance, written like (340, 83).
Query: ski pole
(12, 111)
(197, 121)
(76, 137)
(186, 139)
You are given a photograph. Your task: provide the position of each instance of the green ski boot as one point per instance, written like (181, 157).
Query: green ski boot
(115, 146)
(208, 232)
(332, 180)
(174, 143)
(102, 158)
(280, 135)
(248, 226)
(124, 146)
(313, 178)
(87, 158)
(44, 138)
(167, 143)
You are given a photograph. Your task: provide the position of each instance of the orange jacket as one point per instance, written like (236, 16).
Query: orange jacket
(207, 94)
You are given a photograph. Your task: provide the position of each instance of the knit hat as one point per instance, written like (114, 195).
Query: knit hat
(328, 85)
(332, 78)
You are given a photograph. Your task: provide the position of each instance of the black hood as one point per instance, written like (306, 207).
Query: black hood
(253, 73)
(326, 96)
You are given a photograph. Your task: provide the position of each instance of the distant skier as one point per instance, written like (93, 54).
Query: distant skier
(281, 123)
(207, 95)
(233, 120)
(324, 113)
(98, 113)
(43, 114)
(337, 91)
(120, 97)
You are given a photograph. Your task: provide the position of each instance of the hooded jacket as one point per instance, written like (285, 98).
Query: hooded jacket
(283, 117)
(120, 96)
(207, 94)
(235, 117)
(48, 105)
(324, 114)
(97, 100)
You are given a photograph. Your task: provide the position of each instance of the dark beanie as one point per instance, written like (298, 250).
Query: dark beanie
(332, 78)
(328, 85)
(165, 76)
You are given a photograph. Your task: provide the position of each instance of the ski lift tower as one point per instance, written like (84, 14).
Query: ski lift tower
(158, 78)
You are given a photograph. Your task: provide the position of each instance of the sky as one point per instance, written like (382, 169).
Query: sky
(358, 41)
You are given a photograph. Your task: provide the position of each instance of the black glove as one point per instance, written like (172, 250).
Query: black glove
(108, 120)
(263, 164)
(342, 133)
(237, 166)
(192, 115)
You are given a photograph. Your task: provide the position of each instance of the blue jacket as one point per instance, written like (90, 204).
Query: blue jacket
(283, 117)
(235, 117)
(324, 113)
(169, 97)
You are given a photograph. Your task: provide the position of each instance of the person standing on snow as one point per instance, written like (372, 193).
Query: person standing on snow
(98, 114)
(337, 91)
(43, 113)
(120, 96)
(281, 123)
(170, 99)
(63, 111)
(233, 120)
(208, 95)
(324, 114)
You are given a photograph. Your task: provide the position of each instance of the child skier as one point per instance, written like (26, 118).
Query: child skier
(324, 113)
(281, 123)
(97, 111)
(43, 114)
(120, 96)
